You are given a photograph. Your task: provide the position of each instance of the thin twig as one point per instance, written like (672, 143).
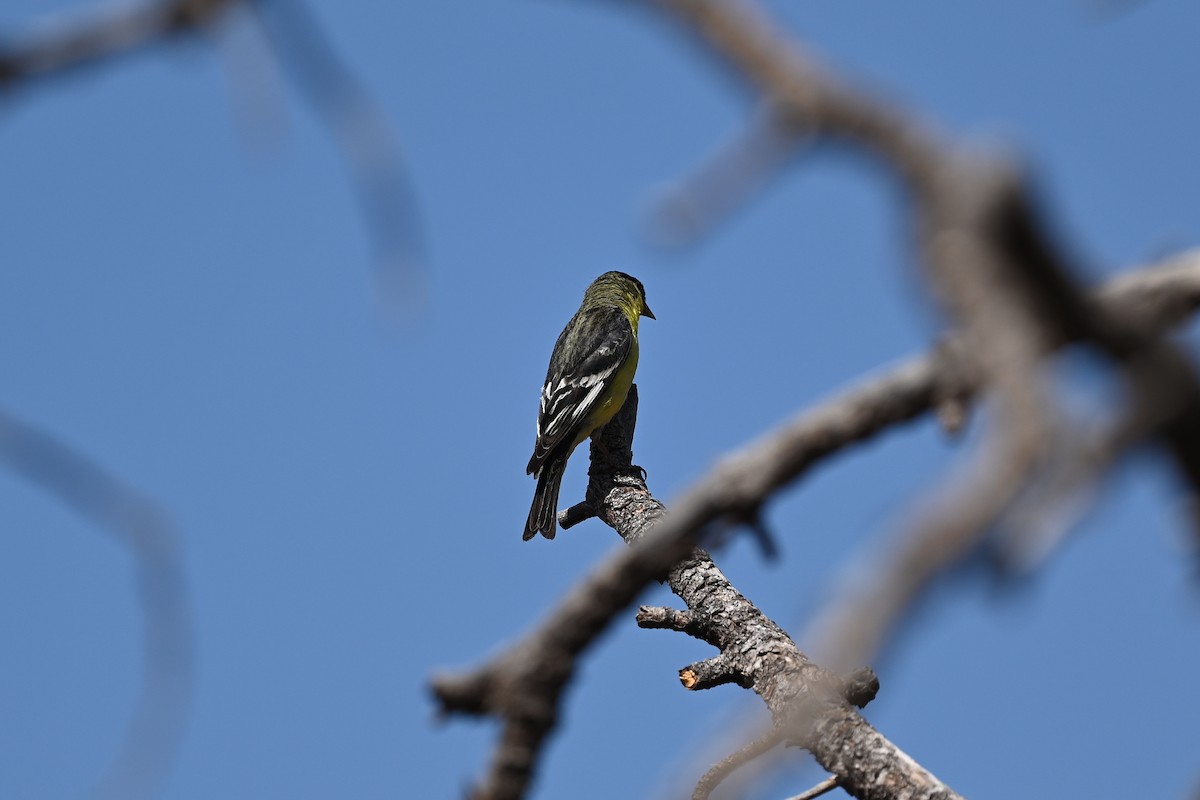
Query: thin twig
(827, 785)
(721, 770)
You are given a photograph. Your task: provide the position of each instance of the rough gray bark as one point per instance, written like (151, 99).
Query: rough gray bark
(809, 705)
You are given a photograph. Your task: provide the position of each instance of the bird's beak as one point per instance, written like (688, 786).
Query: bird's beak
(646, 312)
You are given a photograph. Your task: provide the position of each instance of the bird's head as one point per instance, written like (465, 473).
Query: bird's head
(620, 289)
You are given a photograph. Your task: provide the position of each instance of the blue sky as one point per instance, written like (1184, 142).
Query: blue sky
(187, 298)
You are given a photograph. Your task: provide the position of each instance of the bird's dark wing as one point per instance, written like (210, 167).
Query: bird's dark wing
(581, 371)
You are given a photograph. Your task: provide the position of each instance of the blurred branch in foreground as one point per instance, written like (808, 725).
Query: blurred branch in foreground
(888, 587)
(1012, 296)
(159, 719)
(987, 252)
(339, 100)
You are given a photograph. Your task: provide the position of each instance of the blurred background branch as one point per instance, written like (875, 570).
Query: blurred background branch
(159, 719)
(358, 127)
(101, 35)
(104, 35)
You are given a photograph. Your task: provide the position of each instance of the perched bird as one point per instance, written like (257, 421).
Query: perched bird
(591, 370)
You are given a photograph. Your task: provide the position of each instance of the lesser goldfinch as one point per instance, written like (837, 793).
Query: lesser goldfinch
(591, 370)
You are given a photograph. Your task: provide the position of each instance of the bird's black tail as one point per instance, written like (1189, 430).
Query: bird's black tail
(543, 515)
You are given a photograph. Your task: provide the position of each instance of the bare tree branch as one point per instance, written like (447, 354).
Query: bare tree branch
(806, 702)
(1009, 289)
(873, 606)
(991, 261)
